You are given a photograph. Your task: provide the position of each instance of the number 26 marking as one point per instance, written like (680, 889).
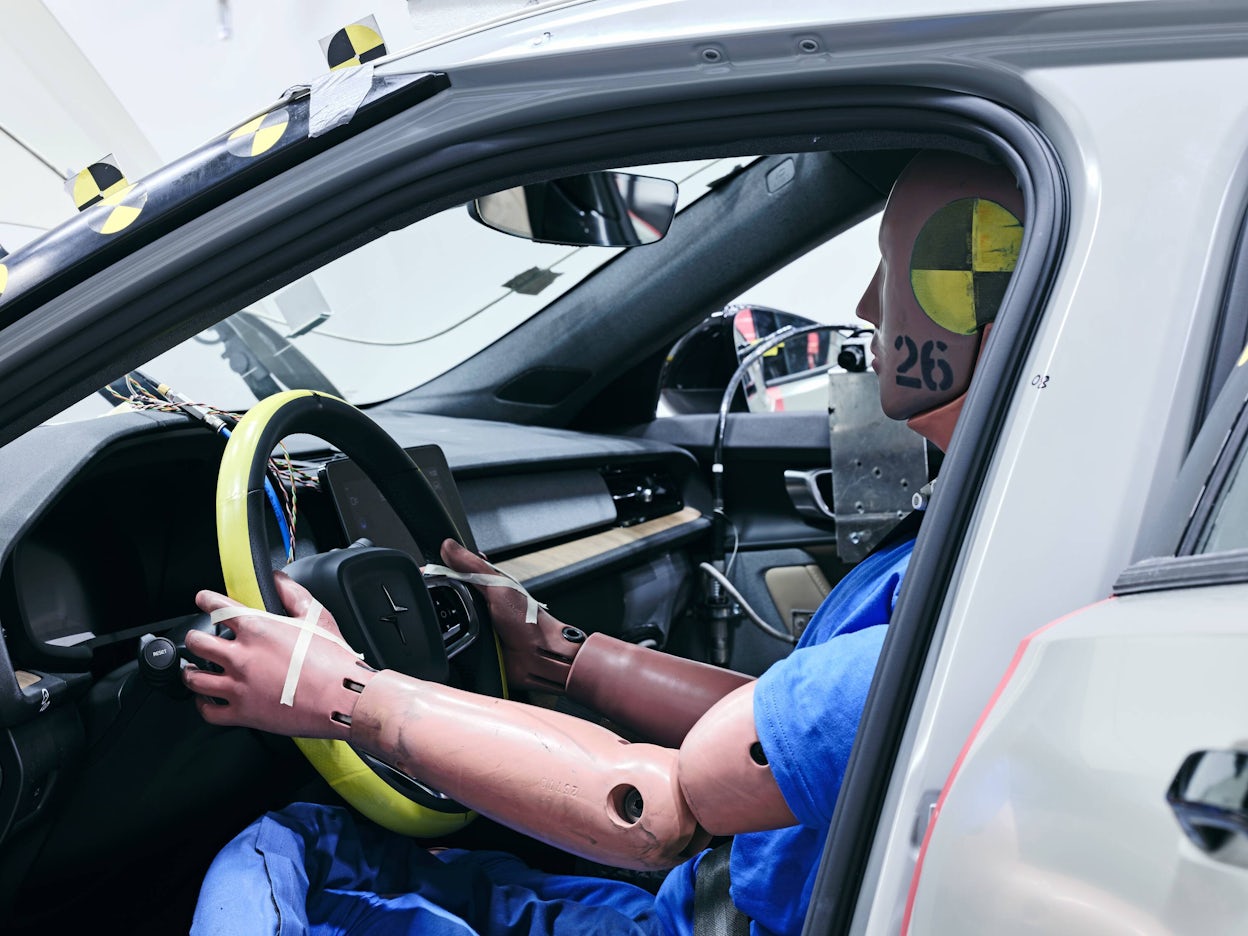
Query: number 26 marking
(937, 374)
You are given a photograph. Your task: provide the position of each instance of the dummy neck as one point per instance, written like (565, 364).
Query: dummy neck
(936, 425)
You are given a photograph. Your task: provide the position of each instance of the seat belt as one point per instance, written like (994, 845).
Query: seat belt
(714, 913)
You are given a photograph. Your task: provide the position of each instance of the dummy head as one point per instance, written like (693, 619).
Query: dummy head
(949, 239)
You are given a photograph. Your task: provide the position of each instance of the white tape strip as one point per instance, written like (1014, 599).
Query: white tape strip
(297, 657)
(226, 614)
(501, 578)
(300, 653)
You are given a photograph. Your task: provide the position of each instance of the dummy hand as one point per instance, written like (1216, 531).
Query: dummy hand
(257, 669)
(537, 656)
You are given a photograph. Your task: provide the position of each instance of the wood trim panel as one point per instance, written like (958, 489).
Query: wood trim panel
(544, 561)
(25, 680)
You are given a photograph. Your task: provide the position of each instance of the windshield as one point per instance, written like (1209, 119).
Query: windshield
(393, 314)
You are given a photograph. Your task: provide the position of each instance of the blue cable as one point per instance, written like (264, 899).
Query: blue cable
(275, 503)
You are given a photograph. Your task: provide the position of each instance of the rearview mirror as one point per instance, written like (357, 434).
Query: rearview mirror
(597, 209)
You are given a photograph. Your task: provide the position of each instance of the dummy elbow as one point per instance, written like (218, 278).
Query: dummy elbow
(655, 828)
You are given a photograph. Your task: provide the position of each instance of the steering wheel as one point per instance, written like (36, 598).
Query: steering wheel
(377, 596)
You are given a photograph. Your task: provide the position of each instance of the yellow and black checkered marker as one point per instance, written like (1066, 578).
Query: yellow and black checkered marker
(354, 45)
(962, 261)
(259, 135)
(110, 201)
(117, 211)
(4, 278)
(98, 181)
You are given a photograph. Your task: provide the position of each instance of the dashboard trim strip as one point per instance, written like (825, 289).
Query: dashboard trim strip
(545, 562)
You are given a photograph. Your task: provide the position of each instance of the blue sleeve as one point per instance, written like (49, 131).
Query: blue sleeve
(806, 711)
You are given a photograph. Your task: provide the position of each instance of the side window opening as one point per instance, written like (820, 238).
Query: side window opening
(1228, 526)
(822, 286)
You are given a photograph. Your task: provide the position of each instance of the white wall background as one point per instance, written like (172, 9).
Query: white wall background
(149, 80)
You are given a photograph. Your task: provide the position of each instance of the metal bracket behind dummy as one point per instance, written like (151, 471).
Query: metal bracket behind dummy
(877, 465)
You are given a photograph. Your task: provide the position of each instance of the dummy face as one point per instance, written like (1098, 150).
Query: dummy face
(949, 239)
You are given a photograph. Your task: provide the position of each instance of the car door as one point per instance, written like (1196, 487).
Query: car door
(1105, 789)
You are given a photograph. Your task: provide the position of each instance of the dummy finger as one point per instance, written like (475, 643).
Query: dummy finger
(296, 599)
(214, 713)
(208, 600)
(240, 616)
(213, 649)
(461, 559)
(205, 683)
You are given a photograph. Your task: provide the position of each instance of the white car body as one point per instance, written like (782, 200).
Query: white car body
(1155, 163)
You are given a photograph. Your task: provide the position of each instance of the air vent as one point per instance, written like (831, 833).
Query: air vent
(642, 493)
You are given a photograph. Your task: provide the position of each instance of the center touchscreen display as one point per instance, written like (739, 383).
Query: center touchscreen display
(365, 512)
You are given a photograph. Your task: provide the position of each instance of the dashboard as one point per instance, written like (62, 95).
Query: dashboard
(107, 531)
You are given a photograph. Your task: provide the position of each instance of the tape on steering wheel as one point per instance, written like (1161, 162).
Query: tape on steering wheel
(500, 578)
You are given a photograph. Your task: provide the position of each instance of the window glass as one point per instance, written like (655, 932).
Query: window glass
(393, 314)
(821, 286)
(1228, 525)
(825, 284)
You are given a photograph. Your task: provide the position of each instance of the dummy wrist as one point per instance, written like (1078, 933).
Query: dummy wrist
(547, 663)
(379, 712)
(344, 701)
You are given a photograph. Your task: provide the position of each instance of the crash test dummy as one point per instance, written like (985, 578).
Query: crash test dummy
(725, 755)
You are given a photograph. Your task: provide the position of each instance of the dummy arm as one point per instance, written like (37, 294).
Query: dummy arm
(656, 695)
(558, 778)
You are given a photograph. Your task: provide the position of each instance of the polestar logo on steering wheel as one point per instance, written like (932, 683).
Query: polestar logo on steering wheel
(393, 617)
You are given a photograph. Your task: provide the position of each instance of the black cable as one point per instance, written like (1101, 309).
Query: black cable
(725, 404)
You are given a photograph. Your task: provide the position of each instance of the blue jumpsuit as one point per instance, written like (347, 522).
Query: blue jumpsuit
(316, 869)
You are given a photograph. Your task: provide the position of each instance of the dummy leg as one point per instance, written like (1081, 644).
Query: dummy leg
(314, 869)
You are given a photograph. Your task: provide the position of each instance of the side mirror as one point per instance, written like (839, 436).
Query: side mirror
(597, 209)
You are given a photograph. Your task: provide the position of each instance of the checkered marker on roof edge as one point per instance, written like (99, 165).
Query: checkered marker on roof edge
(109, 202)
(117, 211)
(259, 135)
(354, 45)
(95, 183)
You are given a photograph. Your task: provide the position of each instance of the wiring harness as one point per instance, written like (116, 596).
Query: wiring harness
(284, 475)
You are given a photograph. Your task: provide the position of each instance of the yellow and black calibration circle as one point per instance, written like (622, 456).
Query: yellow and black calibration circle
(101, 190)
(117, 211)
(98, 181)
(962, 261)
(259, 135)
(354, 45)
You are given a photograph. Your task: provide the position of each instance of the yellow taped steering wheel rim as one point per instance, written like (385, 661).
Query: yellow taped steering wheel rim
(341, 766)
